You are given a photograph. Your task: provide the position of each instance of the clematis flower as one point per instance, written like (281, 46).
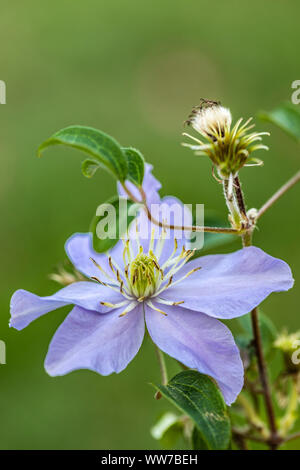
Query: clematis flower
(154, 283)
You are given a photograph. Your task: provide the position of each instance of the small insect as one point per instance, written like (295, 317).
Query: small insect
(204, 104)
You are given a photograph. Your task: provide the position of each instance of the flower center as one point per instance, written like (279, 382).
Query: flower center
(144, 272)
(141, 278)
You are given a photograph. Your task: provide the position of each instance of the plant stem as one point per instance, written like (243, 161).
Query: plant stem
(240, 441)
(274, 440)
(187, 228)
(240, 197)
(248, 435)
(191, 228)
(296, 435)
(252, 437)
(281, 191)
(162, 366)
(232, 203)
(263, 374)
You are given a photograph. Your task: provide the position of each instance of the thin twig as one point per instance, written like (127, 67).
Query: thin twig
(240, 441)
(249, 435)
(296, 435)
(281, 191)
(187, 228)
(191, 228)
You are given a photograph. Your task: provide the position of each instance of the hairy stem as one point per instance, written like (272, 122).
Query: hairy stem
(240, 197)
(231, 202)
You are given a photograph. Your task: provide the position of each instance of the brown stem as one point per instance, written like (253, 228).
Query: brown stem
(191, 228)
(248, 435)
(274, 440)
(188, 228)
(240, 197)
(240, 441)
(252, 437)
(281, 191)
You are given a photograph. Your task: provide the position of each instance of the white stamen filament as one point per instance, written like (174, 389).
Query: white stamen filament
(155, 308)
(142, 278)
(130, 307)
(168, 302)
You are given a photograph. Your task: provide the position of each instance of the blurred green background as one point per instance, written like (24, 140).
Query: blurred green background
(133, 69)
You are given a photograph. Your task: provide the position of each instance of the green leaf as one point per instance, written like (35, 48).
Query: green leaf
(197, 442)
(118, 211)
(267, 328)
(89, 168)
(286, 116)
(196, 395)
(104, 150)
(136, 165)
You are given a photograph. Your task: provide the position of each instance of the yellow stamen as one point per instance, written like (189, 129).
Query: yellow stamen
(98, 280)
(108, 304)
(157, 309)
(100, 268)
(111, 265)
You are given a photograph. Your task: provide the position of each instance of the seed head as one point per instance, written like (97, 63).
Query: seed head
(229, 148)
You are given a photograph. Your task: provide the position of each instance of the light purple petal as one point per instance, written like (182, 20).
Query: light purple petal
(151, 186)
(170, 210)
(102, 343)
(26, 307)
(228, 286)
(79, 247)
(200, 342)
(80, 250)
